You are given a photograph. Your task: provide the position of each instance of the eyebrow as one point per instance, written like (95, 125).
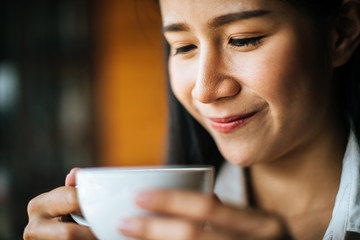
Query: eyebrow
(219, 21)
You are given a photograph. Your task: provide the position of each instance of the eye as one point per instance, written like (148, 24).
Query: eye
(245, 42)
(184, 49)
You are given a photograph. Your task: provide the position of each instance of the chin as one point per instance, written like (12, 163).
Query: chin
(241, 162)
(239, 157)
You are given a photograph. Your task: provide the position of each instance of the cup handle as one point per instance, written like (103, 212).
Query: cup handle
(79, 219)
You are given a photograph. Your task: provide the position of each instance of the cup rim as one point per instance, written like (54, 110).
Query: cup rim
(161, 168)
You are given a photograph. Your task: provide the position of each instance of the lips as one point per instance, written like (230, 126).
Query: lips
(230, 124)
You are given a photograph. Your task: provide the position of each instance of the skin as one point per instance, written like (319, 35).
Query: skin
(294, 143)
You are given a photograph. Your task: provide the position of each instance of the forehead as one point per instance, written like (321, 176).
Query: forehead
(204, 10)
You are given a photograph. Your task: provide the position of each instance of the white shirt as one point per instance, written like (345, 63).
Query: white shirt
(231, 188)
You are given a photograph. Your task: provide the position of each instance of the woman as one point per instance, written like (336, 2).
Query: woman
(275, 84)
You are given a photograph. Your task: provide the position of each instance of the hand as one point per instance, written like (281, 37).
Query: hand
(48, 211)
(188, 215)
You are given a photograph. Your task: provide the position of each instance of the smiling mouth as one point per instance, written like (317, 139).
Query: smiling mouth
(230, 124)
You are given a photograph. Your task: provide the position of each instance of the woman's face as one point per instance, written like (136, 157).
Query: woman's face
(251, 72)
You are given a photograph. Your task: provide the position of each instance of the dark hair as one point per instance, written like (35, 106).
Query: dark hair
(190, 143)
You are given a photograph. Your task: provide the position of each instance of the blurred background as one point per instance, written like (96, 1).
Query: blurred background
(82, 83)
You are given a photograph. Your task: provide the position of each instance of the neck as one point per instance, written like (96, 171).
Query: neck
(304, 181)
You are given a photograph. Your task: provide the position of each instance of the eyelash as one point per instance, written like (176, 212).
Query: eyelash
(241, 42)
(184, 49)
(236, 42)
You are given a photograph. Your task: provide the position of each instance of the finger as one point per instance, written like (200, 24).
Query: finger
(58, 202)
(52, 229)
(186, 204)
(70, 179)
(161, 228)
(182, 203)
(202, 208)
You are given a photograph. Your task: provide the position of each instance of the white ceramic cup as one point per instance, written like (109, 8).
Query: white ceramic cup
(107, 195)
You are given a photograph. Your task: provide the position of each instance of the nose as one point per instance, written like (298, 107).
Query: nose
(214, 80)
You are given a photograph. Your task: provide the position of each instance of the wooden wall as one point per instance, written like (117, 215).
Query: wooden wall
(130, 88)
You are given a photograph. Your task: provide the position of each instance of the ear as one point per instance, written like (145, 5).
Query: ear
(347, 32)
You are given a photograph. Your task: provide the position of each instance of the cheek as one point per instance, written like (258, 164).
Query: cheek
(278, 67)
(182, 81)
(285, 75)
(290, 78)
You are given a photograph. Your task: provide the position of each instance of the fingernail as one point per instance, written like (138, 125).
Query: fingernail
(129, 226)
(145, 198)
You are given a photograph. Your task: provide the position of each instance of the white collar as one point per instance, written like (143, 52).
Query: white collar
(346, 213)
(230, 185)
